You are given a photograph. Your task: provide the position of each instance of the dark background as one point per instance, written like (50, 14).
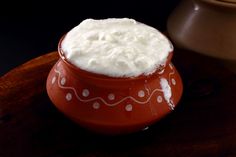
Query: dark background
(34, 28)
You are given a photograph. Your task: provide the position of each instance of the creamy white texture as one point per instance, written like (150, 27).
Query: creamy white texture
(116, 47)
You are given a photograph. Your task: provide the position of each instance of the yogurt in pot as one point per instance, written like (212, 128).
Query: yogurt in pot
(114, 76)
(116, 47)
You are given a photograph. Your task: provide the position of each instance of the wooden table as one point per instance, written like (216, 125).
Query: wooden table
(204, 123)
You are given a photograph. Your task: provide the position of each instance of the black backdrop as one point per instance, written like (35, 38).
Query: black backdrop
(34, 28)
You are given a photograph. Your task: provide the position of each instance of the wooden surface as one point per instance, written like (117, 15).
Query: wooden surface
(204, 123)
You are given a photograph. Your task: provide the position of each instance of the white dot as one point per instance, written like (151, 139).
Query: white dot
(85, 92)
(159, 99)
(111, 96)
(68, 96)
(63, 81)
(96, 105)
(53, 80)
(129, 107)
(173, 81)
(141, 93)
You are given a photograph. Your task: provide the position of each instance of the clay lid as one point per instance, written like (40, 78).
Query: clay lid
(228, 1)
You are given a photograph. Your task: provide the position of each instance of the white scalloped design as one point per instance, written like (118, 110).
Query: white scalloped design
(85, 93)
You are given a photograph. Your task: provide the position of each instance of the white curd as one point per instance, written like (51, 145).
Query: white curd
(116, 47)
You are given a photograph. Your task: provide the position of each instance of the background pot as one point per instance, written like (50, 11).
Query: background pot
(205, 26)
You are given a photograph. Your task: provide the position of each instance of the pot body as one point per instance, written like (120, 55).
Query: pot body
(113, 105)
(205, 26)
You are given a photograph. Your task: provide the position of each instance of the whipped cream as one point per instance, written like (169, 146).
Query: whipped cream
(116, 47)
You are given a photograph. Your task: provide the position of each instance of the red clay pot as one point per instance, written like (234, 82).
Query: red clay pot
(111, 105)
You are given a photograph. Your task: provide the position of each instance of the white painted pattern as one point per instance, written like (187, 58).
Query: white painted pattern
(104, 101)
(173, 81)
(101, 99)
(63, 81)
(111, 96)
(68, 96)
(159, 99)
(172, 73)
(85, 92)
(141, 93)
(147, 89)
(96, 105)
(129, 107)
(53, 79)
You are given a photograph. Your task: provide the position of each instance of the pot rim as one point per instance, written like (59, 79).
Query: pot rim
(220, 3)
(106, 77)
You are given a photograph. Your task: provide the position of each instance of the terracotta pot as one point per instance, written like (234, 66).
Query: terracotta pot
(205, 26)
(113, 105)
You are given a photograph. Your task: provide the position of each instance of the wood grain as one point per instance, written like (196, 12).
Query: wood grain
(204, 124)
(20, 85)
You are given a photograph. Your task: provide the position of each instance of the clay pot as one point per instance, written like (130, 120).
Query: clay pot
(113, 105)
(205, 26)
